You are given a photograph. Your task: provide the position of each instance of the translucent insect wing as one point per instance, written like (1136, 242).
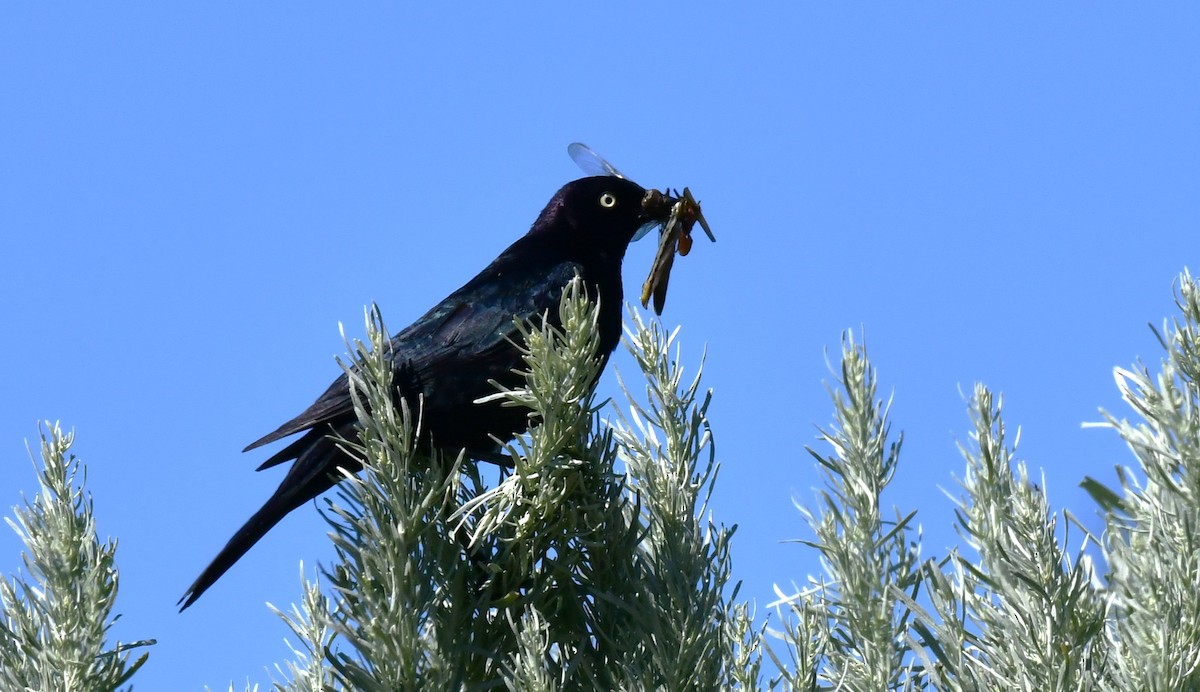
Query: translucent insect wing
(591, 162)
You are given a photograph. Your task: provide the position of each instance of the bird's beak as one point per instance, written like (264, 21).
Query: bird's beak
(667, 211)
(656, 210)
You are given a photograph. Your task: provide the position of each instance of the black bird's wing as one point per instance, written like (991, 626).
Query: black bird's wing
(473, 322)
(449, 355)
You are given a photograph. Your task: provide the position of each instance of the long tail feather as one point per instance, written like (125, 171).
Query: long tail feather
(315, 471)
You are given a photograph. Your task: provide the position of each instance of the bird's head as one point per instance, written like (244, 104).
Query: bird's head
(601, 214)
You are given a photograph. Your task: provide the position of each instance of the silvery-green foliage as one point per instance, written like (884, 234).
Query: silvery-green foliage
(308, 672)
(1152, 538)
(1021, 607)
(694, 634)
(848, 630)
(1025, 615)
(563, 574)
(54, 621)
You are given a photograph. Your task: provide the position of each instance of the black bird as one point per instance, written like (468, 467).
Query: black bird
(449, 355)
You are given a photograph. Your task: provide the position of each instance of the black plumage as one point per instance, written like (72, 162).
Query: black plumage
(449, 355)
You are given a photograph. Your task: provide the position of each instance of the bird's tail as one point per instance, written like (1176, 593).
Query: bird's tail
(275, 509)
(314, 472)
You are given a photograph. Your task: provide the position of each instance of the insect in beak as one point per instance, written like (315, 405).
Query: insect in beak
(682, 213)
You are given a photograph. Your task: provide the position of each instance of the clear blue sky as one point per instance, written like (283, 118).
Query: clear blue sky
(193, 196)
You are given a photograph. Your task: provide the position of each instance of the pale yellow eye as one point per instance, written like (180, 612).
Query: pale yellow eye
(607, 200)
